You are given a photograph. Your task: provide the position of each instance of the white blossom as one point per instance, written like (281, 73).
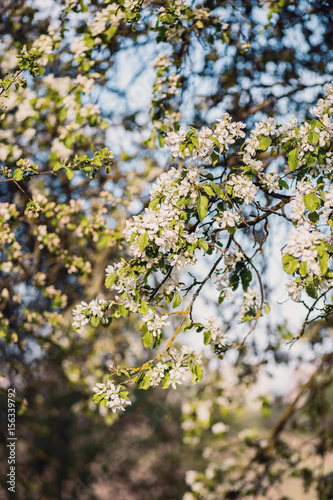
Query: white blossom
(243, 187)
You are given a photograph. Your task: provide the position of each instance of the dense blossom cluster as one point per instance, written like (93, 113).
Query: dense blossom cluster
(169, 231)
(224, 133)
(164, 224)
(114, 396)
(243, 188)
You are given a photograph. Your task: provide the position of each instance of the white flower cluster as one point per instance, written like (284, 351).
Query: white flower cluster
(157, 374)
(83, 311)
(164, 225)
(90, 110)
(302, 245)
(113, 395)
(225, 133)
(187, 352)
(167, 85)
(60, 85)
(177, 376)
(270, 181)
(154, 322)
(173, 141)
(224, 289)
(324, 106)
(231, 258)
(250, 301)
(86, 83)
(265, 128)
(79, 48)
(175, 366)
(227, 219)
(310, 145)
(111, 14)
(218, 338)
(297, 203)
(178, 6)
(125, 286)
(7, 211)
(59, 148)
(44, 45)
(295, 289)
(172, 186)
(243, 187)
(308, 137)
(161, 62)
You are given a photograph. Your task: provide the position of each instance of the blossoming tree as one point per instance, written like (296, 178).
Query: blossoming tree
(212, 180)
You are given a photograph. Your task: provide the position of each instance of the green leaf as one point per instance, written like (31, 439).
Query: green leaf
(18, 174)
(123, 311)
(207, 337)
(69, 173)
(293, 160)
(109, 280)
(143, 241)
(144, 383)
(267, 308)
(111, 32)
(154, 204)
(148, 339)
(176, 301)
(97, 161)
(264, 143)
(98, 397)
(202, 206)
(303, 268)
(313, 137)
(209, 191)
(165, 380)
(143, 309)
(196, 374)
(103, 403)
(246, 278)
(290, 264)
(203, 244)
(168, 19)
(311, 201)
(217, 190)
(283, 184)
(323, 262)
(314, 217)
(311, 291)
(157, 340)
(215, 158)
(94, 321)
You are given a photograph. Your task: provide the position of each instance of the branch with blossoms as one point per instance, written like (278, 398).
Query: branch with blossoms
(201, 205)
(25, 170)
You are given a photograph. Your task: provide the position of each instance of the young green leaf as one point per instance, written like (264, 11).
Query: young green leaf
(202, 206)
(143, 241)
(290, 264)
(311, 201)
(109, 280)
(293, 160)
(264, 143)
(148, 339)
(176, 301)
(18, 174)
